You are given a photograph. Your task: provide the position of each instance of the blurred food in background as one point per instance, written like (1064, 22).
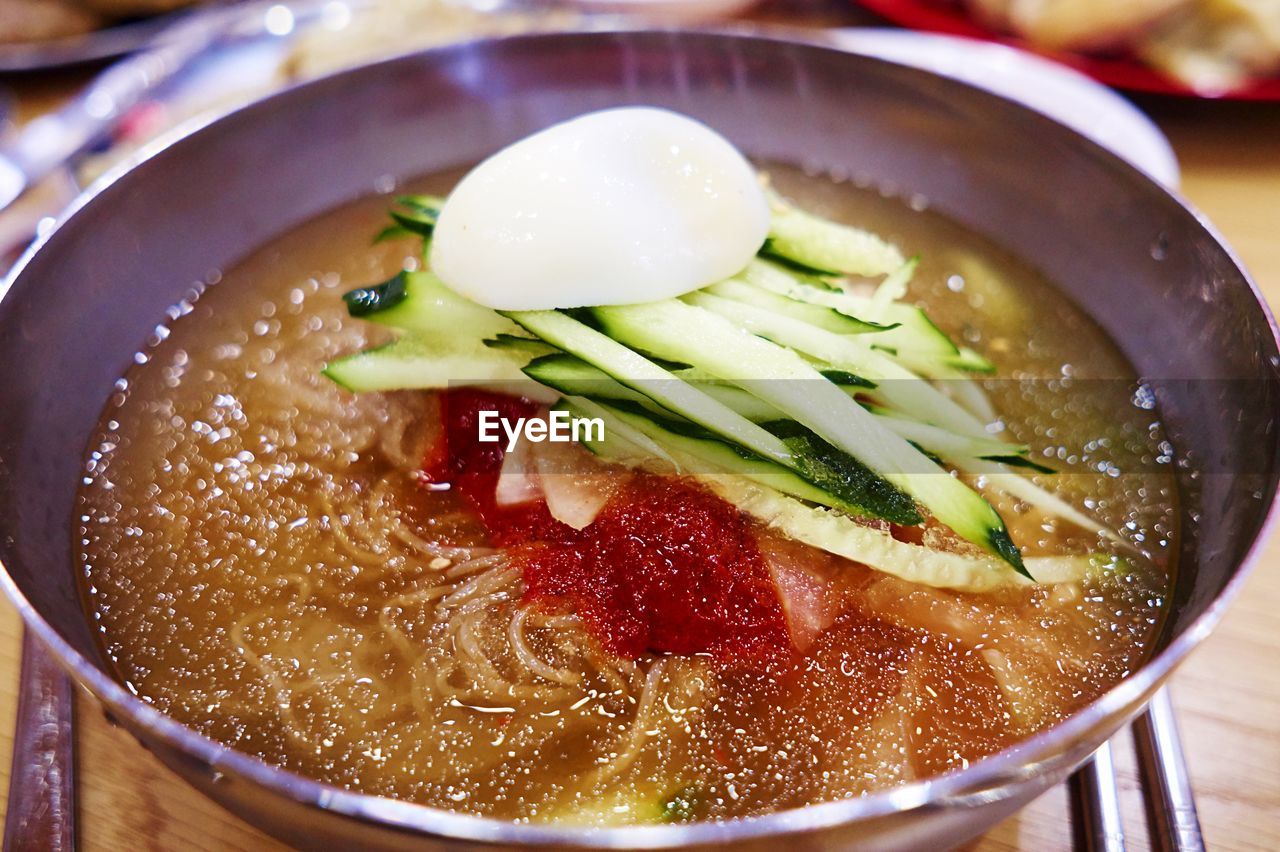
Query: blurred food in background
(23, 21)
(1215, 45)
(1210, 45)
(345, 34)
(34, 21)
(384, 28)
(125, 8)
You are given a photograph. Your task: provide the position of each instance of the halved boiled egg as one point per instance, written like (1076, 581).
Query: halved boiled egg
(616, 207)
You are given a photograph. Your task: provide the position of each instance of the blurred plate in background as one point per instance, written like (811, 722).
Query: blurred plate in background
(1062, 94)
(1119, 71)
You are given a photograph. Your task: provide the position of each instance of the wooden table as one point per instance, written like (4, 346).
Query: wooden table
(1228, 693)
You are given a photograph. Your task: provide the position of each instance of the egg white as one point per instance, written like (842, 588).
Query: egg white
(615, 207)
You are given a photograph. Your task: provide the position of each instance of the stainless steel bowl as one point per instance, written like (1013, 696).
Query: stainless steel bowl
(1129, 253)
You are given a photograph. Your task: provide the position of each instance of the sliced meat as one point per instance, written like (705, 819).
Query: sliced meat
(575, 484)
(518, 480)
(812, 586)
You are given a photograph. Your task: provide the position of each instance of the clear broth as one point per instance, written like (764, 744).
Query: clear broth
(239, 568)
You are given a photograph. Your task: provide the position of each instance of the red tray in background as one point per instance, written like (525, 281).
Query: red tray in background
(1120, 72)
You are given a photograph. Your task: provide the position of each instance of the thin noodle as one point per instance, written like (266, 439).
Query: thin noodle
(530, 660)
(633, 740)
(420, 544)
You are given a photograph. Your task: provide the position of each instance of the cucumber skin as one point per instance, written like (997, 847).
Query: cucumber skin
(420, 303)
(828, 319)
(700, 449)
(724, 350)
(416, 363)
(376, 298)
(822, 245)
(911, 326)
(641, 374)
(839, 478)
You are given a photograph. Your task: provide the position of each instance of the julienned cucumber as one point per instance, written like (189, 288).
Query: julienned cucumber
(421, 363)
(818, 316)
(895, 385)
(686, 333)
(420, 303)
(936, 367)
(416, 217)
(878, 549)
(572, 376)
(516, 346)
(823, 245)
(617, 441)
(949, 446)
(891, 289)
(641, 374)
(706, 454)
(914, 330)
(843, 481)
(845, 536)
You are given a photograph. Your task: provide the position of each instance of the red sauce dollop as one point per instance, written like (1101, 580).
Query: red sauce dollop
(665, 567)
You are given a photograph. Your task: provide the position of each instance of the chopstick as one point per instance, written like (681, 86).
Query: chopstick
(50, 142)
(1174, 825)
(1095, 804)
(41, 812)
(1171, 804)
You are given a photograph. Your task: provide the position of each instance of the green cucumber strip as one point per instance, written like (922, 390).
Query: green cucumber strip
(879, 550)
(825, 278)
(972, 361)
(896, 386)
(418, 363)
(620, 441)
(967, 392)
(364, 301)
(634, 370)
(392, 232)
(430, 205)
(846, 379)
(840, 473)
(828, 319)
(776, 277)
(946, 445)
(1018, 461)
(823, 245)
(931, 365)
(840, 377)
(754, 409)
(702, 454)
(892, 289)
(969, 395)
(528, 347)
(420, 303)
(999, 476)
(684, 332)
(843, 481)
(418, 215)
(914, 328)
(572, 376)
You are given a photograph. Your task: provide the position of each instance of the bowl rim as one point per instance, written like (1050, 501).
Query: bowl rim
(980, 781)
